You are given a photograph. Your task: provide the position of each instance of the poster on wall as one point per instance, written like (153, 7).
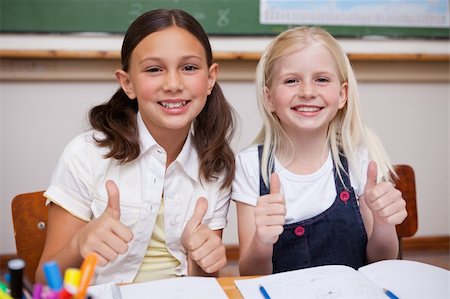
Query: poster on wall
(389, 13)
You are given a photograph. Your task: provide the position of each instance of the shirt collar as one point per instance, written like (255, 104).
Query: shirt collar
(188, 157)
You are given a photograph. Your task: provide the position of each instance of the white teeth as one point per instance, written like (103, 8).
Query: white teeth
(308, 109)
(173, 105)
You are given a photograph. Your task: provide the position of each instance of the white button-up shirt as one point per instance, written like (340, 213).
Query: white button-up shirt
(78, 185)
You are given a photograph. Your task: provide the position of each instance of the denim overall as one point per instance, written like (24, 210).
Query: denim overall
(335, 237)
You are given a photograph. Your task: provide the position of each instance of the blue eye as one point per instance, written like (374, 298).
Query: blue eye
(290, 81)
(322, 80)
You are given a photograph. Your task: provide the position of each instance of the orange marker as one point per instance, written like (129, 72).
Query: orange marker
(87, 271)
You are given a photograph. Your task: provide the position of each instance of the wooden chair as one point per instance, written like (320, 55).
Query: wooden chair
(406, 183)
(29, 215)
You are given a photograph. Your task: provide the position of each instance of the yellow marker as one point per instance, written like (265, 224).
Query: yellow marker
(72, 280)
(87, 271)
(4, 295)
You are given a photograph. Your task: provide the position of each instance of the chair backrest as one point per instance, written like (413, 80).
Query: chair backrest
(406, 183)
(29, 215)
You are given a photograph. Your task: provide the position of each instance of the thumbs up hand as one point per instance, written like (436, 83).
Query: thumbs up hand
(203, 245)
(383, 199)
(106, 235)
(270, 212)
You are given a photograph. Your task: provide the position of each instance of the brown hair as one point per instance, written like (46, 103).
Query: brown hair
(213, 127)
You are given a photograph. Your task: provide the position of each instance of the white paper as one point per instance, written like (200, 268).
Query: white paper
(409, 279)
(182, 287)
(318, 282)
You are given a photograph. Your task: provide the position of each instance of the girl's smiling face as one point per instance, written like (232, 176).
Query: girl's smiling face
(169, 76)
(305, 92)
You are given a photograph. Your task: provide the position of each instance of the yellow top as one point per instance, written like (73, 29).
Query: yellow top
(158, 263)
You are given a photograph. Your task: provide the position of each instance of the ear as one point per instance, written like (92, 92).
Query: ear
(268, 100)
(125, 83)
(212, 76)
(343, 95)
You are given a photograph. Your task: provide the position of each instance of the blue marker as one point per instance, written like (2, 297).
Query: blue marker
(264, 292)
(53, 276)
(390, 294)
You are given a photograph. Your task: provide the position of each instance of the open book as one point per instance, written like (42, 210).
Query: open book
(405, 279)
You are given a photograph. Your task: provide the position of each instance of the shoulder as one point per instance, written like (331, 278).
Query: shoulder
(84, 147)
(249, 153)
(247, 158)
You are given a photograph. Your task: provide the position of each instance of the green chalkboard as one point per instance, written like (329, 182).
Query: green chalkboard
(219, 17)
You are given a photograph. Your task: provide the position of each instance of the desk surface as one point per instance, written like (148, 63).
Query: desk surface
(227, 284)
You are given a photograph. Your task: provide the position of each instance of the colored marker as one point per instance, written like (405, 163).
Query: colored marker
(16, 267)
(264, 292)
(71, 283)
(390, 294)
(4, 295)
(37, 290)
(87, 271)
(53, 276)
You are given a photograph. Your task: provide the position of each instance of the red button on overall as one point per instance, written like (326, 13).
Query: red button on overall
(299, 231)
(344, 196)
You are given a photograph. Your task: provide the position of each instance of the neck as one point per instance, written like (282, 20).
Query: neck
(310, 152)
(171, 141)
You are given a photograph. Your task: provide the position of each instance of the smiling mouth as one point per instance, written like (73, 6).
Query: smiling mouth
(173, 105)
(308, 109)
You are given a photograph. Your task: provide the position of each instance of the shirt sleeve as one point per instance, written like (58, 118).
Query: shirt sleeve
(358, 176)
(71, 180)
(219, 216)
(245, 187)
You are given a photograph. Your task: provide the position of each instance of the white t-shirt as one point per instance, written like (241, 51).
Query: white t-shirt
(305, 195)
(78, 185)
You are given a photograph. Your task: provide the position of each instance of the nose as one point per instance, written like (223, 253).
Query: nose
(307, 90)
(173, 82)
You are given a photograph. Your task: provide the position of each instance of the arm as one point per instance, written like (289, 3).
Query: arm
(70, 239)
(205, 249)
(60, 244)
(382, 207)
(259, 228)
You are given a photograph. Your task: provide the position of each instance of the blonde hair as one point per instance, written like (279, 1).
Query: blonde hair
(346, 132)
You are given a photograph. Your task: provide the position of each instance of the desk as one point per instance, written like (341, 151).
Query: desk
(227, 284)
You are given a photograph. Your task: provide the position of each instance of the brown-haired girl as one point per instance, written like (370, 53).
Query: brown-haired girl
(148, 188)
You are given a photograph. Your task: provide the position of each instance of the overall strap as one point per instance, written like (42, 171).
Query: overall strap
(344, 183)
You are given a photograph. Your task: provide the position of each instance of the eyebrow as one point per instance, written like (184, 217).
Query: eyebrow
(158, 59)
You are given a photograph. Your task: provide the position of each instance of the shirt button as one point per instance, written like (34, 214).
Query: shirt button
(344, 196)
(299, 230)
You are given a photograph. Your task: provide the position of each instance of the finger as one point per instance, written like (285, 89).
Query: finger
(371, 175)
(200, 210)
(122, 232)
(274, 183)
(113, 199)
(214, 260)
(209, 245)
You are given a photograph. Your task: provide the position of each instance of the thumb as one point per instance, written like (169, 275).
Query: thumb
(113, 199)
(274, 183)
(200, 210)
(371, 175)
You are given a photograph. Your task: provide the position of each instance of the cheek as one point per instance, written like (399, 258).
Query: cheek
(199, 85)
(146, 90)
